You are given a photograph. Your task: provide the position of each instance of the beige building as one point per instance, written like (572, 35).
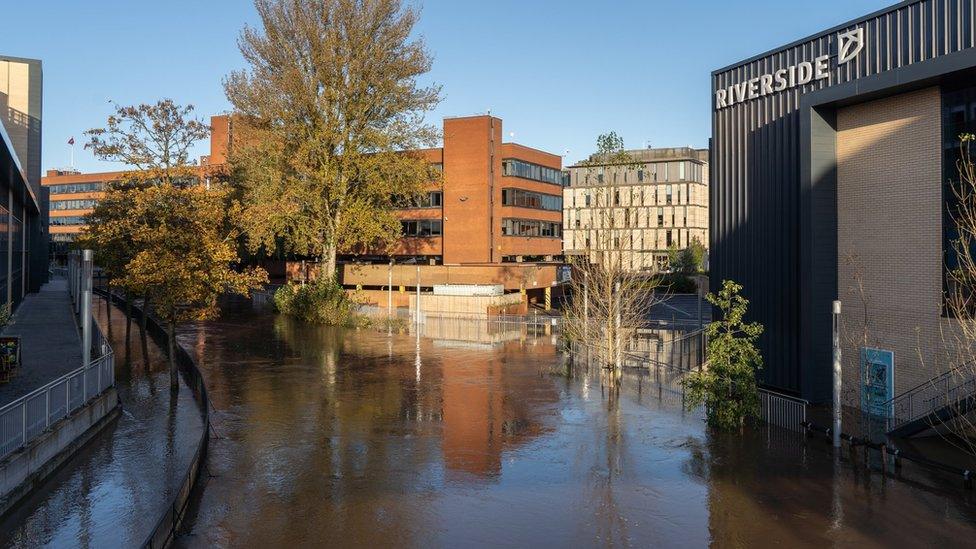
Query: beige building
(634, 212)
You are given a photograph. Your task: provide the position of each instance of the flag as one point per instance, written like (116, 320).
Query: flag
(71, 141)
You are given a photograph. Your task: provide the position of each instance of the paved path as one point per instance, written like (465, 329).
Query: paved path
(50, 342)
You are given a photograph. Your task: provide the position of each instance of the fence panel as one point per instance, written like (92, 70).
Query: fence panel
(782, 410)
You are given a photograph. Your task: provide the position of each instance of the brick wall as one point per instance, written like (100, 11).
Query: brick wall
(889, 235)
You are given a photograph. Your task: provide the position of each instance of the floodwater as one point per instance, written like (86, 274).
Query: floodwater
(471, 437)
(112, 492)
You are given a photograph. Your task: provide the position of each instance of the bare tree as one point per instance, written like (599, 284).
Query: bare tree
(611, 299)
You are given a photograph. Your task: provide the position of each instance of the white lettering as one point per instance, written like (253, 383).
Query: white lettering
(766, 84)
(792, 69)
(780, 77)
(804, 73)
(821, 67)
(740, 91)
(720, 99)
(753, 87)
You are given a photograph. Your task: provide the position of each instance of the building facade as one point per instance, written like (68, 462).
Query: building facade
(831, 160)
(635, 212)
(496, 218)
(23, 203)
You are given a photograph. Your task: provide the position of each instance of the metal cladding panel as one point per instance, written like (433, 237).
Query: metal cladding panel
(755, 169)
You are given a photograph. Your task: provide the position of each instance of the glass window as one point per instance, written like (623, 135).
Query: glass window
(73, 204)
(531, 227)
(69, 188)
(667, 194)
(529, 199)
(535, 172)
(419, 228)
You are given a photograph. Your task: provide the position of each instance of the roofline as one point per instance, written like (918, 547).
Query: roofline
(93, 175)
(20, 59)
(831, 30)
(513, 144)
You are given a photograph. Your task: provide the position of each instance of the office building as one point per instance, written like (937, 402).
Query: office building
(496, 219)
(829, 162)
(633, 212)
(23, 203)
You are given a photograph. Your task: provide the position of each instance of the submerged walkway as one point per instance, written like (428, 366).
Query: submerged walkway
(50, 342)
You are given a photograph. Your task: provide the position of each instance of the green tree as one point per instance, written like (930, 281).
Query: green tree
(727, 384)
(323, 116)
(688, 260)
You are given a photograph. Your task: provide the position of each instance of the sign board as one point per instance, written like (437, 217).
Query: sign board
(849, 45)
(564, 273)
(877, 381)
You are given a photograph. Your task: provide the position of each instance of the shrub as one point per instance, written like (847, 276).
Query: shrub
(727, 385)
(319, 302)
(677, 283)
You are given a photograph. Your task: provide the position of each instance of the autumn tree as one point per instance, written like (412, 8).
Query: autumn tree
(324, 116)
(187, 248)
(159, 232)
(611, 299)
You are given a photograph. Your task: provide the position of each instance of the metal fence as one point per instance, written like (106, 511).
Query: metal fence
(782, 410)
(27, 417)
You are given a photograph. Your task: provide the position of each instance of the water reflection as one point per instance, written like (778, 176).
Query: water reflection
(462, 436)
(116, 487)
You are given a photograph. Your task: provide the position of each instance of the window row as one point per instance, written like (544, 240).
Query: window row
(433, 199)
(535, 172)
(685, 170)
(635, 196)
(529, 199)
(418, 228)
(69, 188)
(531, 227)
(68, 220)
(678, 216)
(73, 204)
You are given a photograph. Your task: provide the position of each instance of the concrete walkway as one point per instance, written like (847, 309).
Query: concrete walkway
(50, 342)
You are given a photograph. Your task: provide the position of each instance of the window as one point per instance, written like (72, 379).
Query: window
(433, 199)
(529, 199)
(68, 220)
(660, 217)
(616, 198)
(73, 204)
(535, 172)
(531, 227)
(669, 239)
(577, 223)
(681, 171)
(420, 228)
(640, 176)
(667, 194)
(587, 199)
(68, 188)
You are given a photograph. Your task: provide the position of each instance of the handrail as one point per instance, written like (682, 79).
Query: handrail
(931, 381)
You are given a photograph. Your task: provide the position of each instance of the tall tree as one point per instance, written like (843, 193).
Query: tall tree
(324, 115)
(153, 141)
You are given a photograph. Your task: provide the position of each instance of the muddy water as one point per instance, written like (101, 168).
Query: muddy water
(115, 488)
(469, 437)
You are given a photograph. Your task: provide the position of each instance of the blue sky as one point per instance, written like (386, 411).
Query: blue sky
(558, 73)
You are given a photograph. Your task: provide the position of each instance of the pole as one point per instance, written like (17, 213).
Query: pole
(86, 327)
(389, 293)
(586, 308)
(837, 373)
(617, 326)
(418, 298)
(701, 319)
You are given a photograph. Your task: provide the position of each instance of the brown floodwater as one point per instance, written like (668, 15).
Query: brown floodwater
(471, 436)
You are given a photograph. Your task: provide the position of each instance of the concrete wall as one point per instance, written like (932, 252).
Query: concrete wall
(28, 468)
(462, 306)
(889, 234)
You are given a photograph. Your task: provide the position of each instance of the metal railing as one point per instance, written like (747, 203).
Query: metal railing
(782, 410)
(26, 418)
(949, 389)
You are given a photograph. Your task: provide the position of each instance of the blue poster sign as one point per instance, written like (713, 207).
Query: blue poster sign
(877, 380)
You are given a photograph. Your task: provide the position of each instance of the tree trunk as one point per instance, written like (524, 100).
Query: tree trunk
(328, 261)
(174, 382)
(128, 316)
(145, 314)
